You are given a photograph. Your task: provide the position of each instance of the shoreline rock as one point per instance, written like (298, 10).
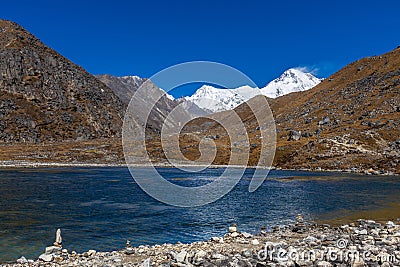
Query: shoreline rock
(362, 243)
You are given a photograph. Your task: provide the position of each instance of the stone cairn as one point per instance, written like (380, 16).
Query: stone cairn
(58, 242)
(299, 226)
(51, 252)
(129, 250)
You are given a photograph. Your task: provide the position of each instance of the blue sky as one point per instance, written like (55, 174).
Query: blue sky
(260, 38)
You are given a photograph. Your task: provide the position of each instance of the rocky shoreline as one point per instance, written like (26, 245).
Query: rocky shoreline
(13, 164)
(362, 243)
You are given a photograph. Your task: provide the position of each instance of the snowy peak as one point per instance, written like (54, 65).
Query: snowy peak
(214, 99)
(292, 80)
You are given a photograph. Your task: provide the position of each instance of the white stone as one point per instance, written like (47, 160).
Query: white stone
(363, 232)
(255, 242)
(129, 251)
(217, 256)
(46, 257)
(324, 264)
(180, 257)
(235, 234)
(246, 235)
(390, 224)
(52, 249)
(58, 238)
(232, 229)
(201, 254)
(22, 260)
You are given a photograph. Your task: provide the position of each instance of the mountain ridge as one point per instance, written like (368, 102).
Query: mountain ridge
(215, 99)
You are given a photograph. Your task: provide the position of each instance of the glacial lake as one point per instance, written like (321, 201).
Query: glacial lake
(100, 208)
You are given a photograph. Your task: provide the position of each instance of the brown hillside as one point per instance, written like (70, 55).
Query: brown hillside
(46, 98)
(349, 121)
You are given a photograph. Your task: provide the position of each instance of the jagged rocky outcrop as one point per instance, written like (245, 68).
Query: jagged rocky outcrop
(46, 97)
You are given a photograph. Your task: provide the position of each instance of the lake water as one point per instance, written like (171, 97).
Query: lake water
(100, 208)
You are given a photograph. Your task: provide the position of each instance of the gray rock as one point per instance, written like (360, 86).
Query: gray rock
(326, 120)
(294, 135)
(390, 224)
(309, 239)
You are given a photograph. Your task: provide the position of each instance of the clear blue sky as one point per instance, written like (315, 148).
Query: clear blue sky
(260, 38)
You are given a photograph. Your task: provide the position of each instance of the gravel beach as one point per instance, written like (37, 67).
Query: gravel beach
(362, 243)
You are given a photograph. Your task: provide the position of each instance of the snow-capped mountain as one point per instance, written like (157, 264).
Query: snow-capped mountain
(292, 80)
(214, 99)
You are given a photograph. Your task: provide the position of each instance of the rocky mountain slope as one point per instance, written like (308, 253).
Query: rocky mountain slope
(216, 99)
(349, 121)
(124, 87)
(44, 97)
